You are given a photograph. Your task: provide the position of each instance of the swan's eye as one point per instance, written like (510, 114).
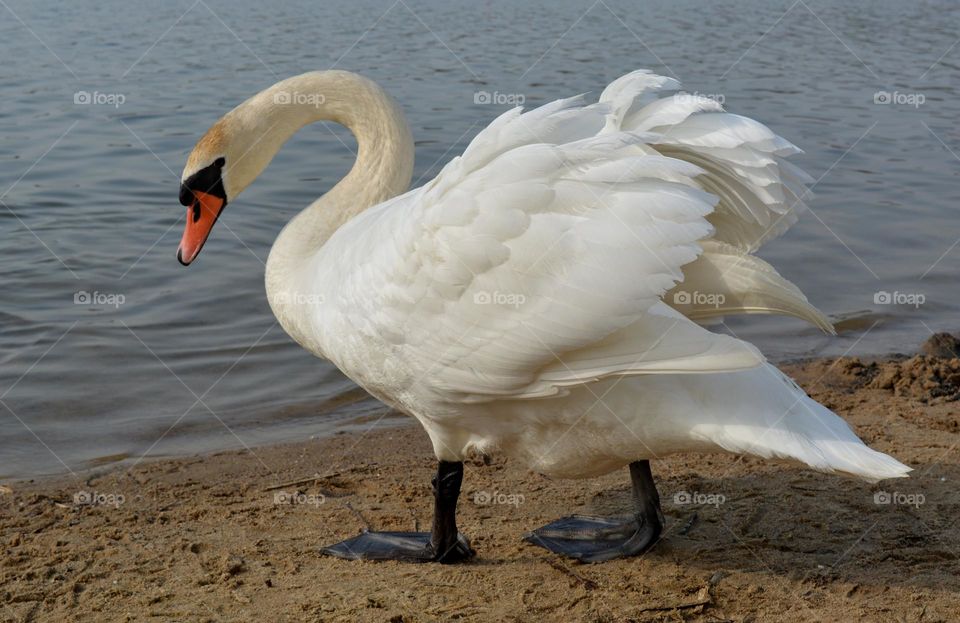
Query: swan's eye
(208, 179)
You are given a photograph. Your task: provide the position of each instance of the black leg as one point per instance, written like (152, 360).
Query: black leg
(442, 544)
(597, 539)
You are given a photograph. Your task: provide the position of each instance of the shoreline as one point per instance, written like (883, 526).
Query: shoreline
(234, 535)
(382, 416)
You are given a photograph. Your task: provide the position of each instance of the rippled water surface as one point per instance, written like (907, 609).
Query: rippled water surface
(168, 360)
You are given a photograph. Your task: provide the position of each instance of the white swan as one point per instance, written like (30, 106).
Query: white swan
(536, 297)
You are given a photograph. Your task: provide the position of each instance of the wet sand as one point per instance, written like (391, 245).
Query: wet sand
(235, 536)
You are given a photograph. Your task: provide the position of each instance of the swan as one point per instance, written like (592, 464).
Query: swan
(546, 295)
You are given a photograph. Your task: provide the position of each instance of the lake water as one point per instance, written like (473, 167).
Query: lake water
(102, 102)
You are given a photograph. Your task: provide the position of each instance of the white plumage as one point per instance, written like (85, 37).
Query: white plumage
(525, 300)
(489, 302)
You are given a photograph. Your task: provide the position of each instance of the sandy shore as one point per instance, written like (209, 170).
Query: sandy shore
(222, 538)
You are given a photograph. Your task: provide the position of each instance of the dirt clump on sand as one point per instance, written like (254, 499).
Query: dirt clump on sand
(235, 536)
(922, 378)
(930, 377)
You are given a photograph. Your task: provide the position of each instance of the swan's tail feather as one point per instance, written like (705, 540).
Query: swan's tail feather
(805, 431)
(857, 459)
(846, 456)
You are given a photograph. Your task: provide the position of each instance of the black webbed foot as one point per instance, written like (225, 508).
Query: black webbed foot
(402, 546)
(597, 539)
(443, 544)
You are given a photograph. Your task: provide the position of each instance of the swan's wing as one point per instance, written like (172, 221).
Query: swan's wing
(723, 281)
(760, 195)
(535, 261)
(745, 163)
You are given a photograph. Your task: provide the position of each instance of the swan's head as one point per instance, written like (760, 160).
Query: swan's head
(238, 147)
(222, 164)
(203, 191)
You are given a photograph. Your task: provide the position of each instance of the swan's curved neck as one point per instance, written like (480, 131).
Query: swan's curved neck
(383, 168)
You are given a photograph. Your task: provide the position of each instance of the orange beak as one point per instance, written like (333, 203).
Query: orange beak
(201, 217)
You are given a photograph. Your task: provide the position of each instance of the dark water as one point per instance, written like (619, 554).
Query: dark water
(191, 360)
